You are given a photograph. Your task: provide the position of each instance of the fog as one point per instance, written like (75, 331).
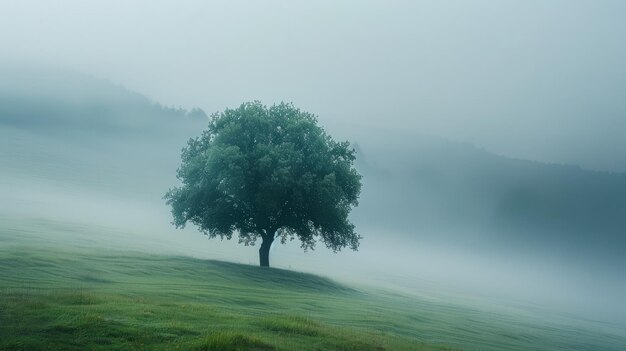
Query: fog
(490, 134)
(539, 80)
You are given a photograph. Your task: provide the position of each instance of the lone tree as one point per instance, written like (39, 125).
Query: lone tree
(269, 173)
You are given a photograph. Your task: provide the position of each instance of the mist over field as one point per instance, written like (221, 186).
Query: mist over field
(490, 135)
(438, 216)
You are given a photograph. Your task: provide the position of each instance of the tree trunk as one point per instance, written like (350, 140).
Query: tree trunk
(264, 251)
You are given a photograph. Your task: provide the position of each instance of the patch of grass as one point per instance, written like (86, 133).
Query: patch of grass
(293, 325)
(75, 298)
(354, 346)
(232, 341)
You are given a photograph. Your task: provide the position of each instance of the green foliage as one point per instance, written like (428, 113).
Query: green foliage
(268, 173)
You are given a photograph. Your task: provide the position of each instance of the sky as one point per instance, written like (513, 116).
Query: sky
(538, 80)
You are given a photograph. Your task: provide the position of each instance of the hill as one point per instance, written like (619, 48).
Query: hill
(74, 131)
(437, 190)
(53, 101)
(61, 295)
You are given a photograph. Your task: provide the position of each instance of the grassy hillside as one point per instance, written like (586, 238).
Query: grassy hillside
(54, 296)
(89, 300)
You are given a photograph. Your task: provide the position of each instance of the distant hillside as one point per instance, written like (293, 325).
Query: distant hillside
(62, 102)
(444, 190)
(82, 133)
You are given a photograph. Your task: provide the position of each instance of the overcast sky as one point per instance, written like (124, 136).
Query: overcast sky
(541, 80)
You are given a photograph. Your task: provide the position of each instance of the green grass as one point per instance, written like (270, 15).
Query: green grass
(90, 300)
(54, 298)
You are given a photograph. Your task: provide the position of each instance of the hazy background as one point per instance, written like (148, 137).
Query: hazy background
(540, 80)
(490, 133)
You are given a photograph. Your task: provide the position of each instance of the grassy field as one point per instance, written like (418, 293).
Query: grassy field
(59, 297)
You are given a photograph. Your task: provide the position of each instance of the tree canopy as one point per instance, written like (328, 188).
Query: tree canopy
(268, 173)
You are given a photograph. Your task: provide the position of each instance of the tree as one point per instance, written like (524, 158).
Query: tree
(270, 174)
